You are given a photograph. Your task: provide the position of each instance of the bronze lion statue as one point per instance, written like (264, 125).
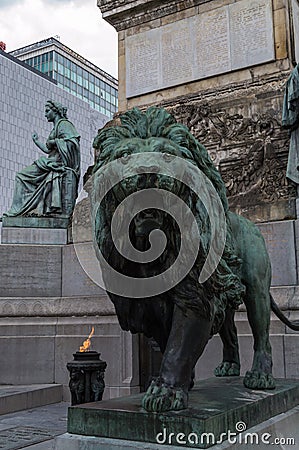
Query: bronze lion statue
(183, 317)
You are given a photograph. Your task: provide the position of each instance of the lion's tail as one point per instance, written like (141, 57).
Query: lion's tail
(294, 325)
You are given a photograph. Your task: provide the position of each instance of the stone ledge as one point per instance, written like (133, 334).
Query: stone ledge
(272, 81)
(287, 298)
(17, 398)
(36, 222)
(126, 14)
(56, 306)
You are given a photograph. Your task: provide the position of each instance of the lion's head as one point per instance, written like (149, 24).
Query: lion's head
(159, 141)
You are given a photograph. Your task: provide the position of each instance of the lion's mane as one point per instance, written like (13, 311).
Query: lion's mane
(224, 288)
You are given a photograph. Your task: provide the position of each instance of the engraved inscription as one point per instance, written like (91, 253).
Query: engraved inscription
(250, 31)
(211, 35)
(216, 41)
(176, 46)
(143, 62)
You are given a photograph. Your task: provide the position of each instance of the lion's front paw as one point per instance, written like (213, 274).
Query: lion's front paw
(258, 380)
(161, 397)
(227, 369)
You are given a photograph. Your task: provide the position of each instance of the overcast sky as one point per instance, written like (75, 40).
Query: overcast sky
(79, 24)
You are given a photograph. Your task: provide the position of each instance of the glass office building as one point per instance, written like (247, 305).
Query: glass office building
(73, 73)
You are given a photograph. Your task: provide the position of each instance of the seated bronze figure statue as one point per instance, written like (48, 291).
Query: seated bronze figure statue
(48, 187)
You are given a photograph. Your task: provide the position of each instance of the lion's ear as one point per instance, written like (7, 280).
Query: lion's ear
(115, 122)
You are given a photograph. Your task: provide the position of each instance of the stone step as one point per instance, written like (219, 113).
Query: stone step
(18, 397)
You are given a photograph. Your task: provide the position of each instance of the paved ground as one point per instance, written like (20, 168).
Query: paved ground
(33, 429)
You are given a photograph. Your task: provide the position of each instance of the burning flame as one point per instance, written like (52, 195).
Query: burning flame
(86, 344)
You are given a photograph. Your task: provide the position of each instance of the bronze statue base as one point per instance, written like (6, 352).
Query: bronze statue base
(218, 408)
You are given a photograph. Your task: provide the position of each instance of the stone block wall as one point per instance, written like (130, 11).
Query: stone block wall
(48, 306)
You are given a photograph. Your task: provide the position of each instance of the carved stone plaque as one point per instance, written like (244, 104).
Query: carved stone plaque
(251, 33)
(295, 12)
(176, 48)
(211, 42)
(143, 62)
(216, 41)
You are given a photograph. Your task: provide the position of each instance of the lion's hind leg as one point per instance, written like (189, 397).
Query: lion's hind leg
(230, 365)
(258, 310)
(255, 273)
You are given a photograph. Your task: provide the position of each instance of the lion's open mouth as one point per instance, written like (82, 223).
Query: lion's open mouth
(147, 221)
(151, 204)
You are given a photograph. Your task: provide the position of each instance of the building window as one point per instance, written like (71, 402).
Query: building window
(73, 87)
(72, 77)
(60, 68)
(50, 67)
(67, 72)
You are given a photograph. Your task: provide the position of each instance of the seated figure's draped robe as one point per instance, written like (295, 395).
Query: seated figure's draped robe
(38, 187)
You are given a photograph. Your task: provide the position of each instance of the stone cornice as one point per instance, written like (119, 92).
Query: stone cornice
(267, 83)
(123, 14)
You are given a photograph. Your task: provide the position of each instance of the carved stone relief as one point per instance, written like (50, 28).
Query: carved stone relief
(250, 152)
